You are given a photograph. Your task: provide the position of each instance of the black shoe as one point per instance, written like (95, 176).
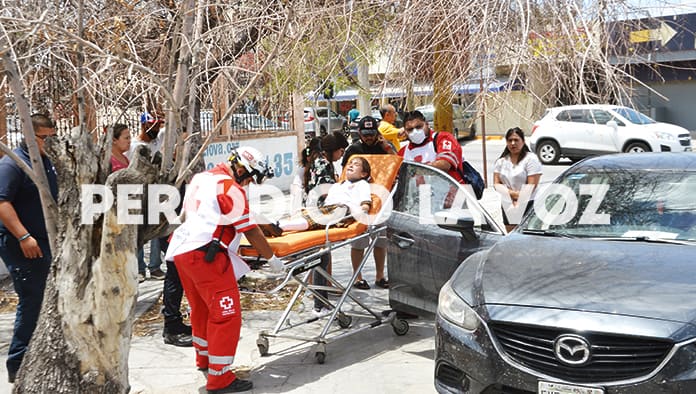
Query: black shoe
(181, 340)
(11, 376)
(157, 274)
(362, 285)
(176, 327)
(383, 283)
(236, 386)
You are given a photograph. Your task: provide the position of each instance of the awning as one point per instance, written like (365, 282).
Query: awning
(494, 86)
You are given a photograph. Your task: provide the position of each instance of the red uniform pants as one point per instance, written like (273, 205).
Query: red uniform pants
(216, 316)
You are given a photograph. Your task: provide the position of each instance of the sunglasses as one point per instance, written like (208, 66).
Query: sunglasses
(43, 137)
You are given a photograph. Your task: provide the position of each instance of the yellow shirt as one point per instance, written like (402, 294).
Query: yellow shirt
(390, 133)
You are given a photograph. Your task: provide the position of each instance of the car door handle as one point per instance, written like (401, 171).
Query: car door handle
(403, 241)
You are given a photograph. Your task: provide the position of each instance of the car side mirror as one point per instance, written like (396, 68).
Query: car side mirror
(461, 221)
(614, 126)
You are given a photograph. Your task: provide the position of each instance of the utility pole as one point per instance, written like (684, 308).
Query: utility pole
(364, 91)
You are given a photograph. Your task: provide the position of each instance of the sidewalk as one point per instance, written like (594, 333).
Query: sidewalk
(374, 360)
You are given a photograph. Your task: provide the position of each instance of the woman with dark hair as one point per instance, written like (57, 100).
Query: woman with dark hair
(298, 191)
(120, 144)
(321, 169)
(516, 168)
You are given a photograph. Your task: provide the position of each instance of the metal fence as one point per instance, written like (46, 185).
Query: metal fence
(238, 124)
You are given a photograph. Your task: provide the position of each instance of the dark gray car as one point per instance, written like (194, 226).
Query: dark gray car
(423, 255)
(594, 298)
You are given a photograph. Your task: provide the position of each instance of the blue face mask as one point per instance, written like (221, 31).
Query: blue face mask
(417, 136)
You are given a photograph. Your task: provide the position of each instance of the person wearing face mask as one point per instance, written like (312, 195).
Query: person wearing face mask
(440, 150)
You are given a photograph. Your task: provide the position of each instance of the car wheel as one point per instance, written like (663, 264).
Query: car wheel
(322, 131)
(472, 132)
(548, 152)
(637, 147)
(456, 133)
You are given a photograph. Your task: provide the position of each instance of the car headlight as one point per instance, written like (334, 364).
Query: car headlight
(451, 307)
(665, 136)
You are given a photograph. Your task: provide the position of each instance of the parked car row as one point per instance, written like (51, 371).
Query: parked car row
(318, 121)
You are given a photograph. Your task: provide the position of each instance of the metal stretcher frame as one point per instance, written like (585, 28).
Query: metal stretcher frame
(301, 264)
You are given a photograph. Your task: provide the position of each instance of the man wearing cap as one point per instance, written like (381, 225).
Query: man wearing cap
(371, 143)
(387, 128)
(204, 250)
(151, 136)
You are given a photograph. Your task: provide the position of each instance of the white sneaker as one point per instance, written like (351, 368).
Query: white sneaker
(324, 311)
(270, 273)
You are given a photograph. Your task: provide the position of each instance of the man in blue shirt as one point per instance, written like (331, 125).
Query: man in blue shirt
(24, 245)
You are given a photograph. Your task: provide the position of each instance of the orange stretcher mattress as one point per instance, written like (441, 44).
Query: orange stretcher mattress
(384, 169)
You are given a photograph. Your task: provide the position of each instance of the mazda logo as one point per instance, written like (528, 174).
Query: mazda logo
(572, 350)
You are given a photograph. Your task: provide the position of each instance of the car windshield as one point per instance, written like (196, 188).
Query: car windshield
(633, 116)
(624, 204)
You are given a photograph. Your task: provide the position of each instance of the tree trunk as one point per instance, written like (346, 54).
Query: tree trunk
(82, 341)
(442, 89)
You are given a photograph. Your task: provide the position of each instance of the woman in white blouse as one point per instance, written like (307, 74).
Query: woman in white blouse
(515, 168)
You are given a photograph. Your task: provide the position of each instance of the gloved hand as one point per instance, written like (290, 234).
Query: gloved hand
(276, 264)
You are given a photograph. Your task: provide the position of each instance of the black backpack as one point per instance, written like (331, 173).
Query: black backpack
(468, 173)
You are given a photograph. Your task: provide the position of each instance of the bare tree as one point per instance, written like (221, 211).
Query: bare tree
(81, 60)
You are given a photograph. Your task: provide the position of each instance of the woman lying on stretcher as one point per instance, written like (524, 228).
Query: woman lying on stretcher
(350, 196)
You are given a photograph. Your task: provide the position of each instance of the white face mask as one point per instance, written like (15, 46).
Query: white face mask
(417, 136)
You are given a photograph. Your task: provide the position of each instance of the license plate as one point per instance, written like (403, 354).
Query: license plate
(562, 388)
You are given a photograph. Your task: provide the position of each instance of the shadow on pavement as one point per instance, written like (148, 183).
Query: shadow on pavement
(364, 360)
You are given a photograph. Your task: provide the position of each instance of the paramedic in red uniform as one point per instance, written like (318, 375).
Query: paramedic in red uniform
(216, 213)
(440, 150)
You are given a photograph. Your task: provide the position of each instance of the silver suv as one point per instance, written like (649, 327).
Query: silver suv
(326, 116)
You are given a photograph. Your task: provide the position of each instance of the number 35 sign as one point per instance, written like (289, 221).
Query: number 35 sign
(280, 154)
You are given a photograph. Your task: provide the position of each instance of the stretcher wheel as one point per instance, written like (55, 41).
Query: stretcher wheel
(320, 354)
(344, 320)
(262, 344)
(320, 357)
(400, 326)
